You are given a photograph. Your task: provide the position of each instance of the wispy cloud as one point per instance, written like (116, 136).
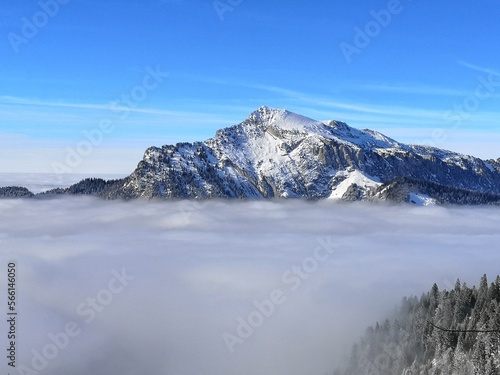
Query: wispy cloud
(325, 102)
(278, 90)
(18, 106)
(416, 88)
(480, 69)
(370, 113)
(107, 107)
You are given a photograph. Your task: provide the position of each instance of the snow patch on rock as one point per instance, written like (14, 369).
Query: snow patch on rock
(359, 178)
(421, 199)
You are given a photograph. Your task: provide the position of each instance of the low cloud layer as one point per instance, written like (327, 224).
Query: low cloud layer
(243, 288)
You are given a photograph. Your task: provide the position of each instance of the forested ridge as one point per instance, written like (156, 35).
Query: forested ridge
(455, 332)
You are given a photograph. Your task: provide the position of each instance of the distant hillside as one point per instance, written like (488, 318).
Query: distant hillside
(15, 192)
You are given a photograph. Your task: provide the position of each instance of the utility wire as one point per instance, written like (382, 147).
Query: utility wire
(465, 330)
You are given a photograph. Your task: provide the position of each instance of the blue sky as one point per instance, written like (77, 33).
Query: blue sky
(136, 73)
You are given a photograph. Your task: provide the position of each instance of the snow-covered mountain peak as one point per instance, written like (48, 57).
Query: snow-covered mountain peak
(284, 120)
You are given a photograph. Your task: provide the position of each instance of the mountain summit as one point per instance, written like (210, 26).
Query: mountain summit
(275, 153)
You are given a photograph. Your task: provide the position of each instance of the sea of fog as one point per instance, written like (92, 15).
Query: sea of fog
(222, 287)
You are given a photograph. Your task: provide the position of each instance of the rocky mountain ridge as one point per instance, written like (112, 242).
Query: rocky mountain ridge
(279, 154)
